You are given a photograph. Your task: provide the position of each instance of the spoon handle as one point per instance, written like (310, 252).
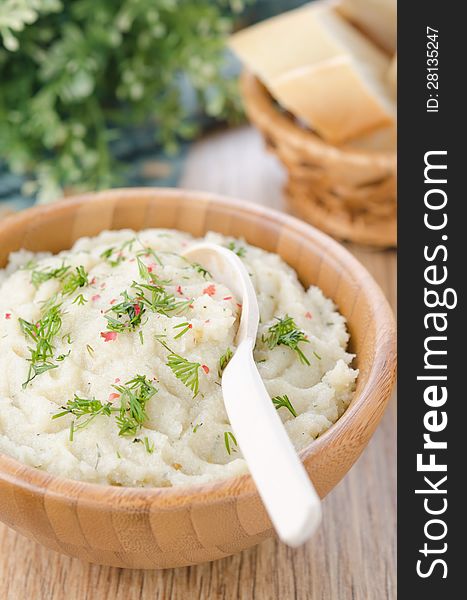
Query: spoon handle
(283, 484)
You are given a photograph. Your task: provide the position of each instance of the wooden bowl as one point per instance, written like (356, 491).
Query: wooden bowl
(170, 527)
(348, 193)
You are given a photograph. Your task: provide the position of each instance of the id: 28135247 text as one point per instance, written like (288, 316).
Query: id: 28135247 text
(432, 66)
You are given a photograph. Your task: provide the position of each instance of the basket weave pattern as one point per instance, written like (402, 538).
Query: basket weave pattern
(350, 194)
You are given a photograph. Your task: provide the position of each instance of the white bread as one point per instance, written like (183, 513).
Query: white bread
(334, 100)
(321, 69)
(385, 139)
(377, 18)
(275, 46)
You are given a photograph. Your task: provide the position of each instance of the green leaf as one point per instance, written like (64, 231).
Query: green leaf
(284, 402)
(229, 439)
(224, 361)
(184, 370)
(285, 332)
(134, 396)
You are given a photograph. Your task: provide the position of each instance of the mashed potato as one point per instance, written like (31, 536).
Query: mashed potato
(111, 357)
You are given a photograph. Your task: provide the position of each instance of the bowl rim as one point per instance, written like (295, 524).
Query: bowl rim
(35, 480)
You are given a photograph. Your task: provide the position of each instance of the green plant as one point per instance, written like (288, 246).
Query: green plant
(75, 73)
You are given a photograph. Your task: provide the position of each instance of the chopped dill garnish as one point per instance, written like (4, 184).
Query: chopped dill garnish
(228, 439)
(240, 251)
(156, 299)
(107, 255)
(146, 273)
(114, 255)
(83, 407)
(186, 327)
(141, 337)
(70, 280)
(285, 332)
(80, 300)
(149, 445)
(42, 334)
(29, 265)
(196, 427)
(90, 350)
(143, 270)
(224, 361)
(38, 277)
(126, 316)
(74, 280)
(183, 369)
(201, 270)
(134, 395)
(284, 402)
(150, 252)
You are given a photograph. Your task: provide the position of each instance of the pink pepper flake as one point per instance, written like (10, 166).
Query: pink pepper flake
(207, 321)
(210, 290)
(93, 281)
(113, 301)
(137, 308)
(109, 336)
(227, 297)
(117, 380)
(7, 316)
(239, 305)
(95, 298)
(308, 315)
(205, 368)
(113, 396)
(103, 284)
(179, 290)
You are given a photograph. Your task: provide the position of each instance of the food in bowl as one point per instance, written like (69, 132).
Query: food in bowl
(112, 355)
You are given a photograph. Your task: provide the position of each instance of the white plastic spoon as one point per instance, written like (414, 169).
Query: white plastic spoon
(283, 484)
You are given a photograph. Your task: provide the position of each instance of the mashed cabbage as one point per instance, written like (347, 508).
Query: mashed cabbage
(111, 355)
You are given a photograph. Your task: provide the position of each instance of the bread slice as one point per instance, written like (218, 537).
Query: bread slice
(321, 69)
(277, 45)
(377, 18)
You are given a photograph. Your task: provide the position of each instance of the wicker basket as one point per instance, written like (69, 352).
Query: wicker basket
(350, 194)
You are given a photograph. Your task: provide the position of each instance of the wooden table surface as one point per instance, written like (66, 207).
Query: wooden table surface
(353, 556)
